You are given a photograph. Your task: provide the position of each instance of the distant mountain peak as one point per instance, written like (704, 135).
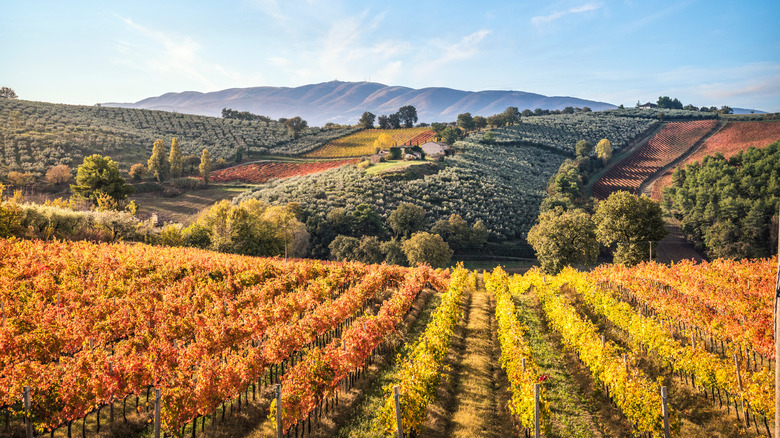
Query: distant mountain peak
(344, 102)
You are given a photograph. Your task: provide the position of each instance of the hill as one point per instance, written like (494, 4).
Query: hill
(502, 184)
(38, 135)
(344, 102)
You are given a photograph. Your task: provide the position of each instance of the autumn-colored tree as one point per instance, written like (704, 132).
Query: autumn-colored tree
(175, 158)
(58, 174)
(11, 216)
(205, 165)
(158, 163)
(604, 150)
(19, 179)
(137, 171)
(384, 142)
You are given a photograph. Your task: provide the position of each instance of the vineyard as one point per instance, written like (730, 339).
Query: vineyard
(261, 172)
(732, 138)
(674, 139)
(85, 326)
(176, 338)
(362, 143)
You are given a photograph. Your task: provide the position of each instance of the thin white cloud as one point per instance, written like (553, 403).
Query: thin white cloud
(547, 19)
(174, 57)
(467, 47)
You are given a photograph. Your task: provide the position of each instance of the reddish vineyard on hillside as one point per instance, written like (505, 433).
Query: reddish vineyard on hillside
(673, 140)
(734, 137)
(421, 138)
(263, 172)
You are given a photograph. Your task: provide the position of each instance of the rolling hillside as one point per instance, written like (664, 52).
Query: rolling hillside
(37, 135)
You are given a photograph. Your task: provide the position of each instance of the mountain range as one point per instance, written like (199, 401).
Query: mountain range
(344, 102)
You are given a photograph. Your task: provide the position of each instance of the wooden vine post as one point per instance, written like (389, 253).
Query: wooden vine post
(777, 340)
(157, 407)
(279, 410)
(536, 410)
(398, 418)
(665, 411)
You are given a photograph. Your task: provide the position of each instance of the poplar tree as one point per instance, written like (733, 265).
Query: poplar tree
(158, 163)
(604, 150)
(205, 165)
(175, 158)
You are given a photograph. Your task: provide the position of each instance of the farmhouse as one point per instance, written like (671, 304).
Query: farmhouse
(435, 149)
(647, 105)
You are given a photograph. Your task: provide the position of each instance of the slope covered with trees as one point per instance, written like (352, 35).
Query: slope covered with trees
(501, 185)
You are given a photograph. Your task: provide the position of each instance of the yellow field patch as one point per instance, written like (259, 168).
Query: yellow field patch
(362, 143)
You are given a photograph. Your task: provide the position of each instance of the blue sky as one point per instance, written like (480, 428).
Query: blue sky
(704, 52)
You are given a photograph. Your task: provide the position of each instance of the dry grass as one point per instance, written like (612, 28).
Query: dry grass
(185, 207)
(470, 404)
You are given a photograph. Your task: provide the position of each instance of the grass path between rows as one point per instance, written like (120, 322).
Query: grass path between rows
(470, 402)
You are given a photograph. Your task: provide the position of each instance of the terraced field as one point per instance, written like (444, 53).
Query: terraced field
(671, 142)
(734, 137)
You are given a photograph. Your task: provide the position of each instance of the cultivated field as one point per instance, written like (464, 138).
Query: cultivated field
(674, 139)
(264, 171)
(362, 143)
(215, 334)
(732, 138)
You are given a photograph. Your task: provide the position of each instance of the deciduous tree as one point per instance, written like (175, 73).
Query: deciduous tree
(58, 174)
(296, 125)
(427, 248)
(604, 150)
(408, 115)
(406, 219)
(466, 122)
(384, 142)
(564, 238)
(175, 158)
(629, 222)
(158, 164)
(7, 93)
(205, 165)
(583, 148)
(137, 171)
(367, 120)
(512, 115)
